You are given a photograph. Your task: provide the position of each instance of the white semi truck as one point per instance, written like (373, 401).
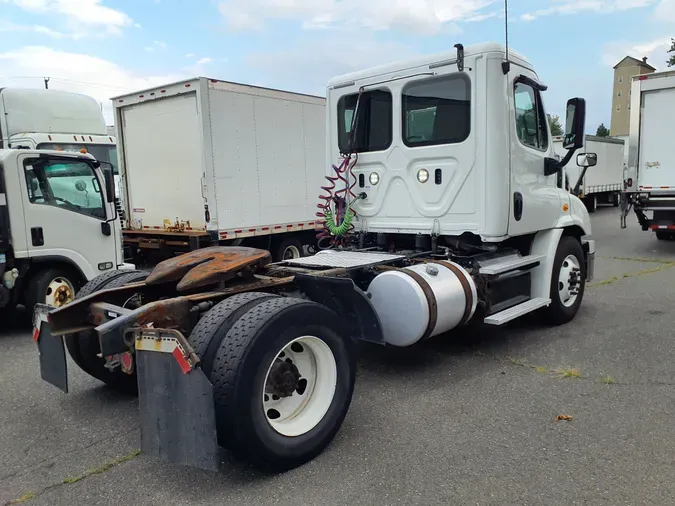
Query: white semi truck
(649, 182)
(603, 184)
(58, 226)
(206, 162)
(432, 222)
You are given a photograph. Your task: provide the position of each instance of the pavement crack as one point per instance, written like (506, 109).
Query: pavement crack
(106, 466)
(663, 266)
(569, 372)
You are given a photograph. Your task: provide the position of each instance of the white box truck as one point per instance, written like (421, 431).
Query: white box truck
(650, 174)
(604, 183)
(208, 162)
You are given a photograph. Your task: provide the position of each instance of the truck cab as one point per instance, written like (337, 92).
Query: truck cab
(449, 151)
(59, 226)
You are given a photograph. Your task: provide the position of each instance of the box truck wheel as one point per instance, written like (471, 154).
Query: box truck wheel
(616, 199)
(662, 235)
(287, 249)
(55, 286)
(591, 202)
(568, 281)
(211, 329)
(84, 347)
(283, 380)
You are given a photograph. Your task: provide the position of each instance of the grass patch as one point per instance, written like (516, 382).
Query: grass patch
(607, 380)
(25, 497)
(569, 372)
(104, 467)
(541, 369)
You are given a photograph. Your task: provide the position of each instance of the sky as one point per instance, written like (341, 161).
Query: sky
(106, 48)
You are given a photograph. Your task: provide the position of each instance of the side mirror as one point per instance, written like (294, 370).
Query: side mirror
(109, 185)
(575, 122)
(587, 159)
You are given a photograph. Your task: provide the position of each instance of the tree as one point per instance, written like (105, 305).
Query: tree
(602, 131)
(554, 123)
(671, 52)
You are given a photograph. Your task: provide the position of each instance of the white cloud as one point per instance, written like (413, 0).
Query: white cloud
(423, 16)
(564, 7)
(82, 17)
(11, 27)
(654, 50)
(204, 61)
(157, 44)
(189, 55)
(79, 73)
(665, 11)
(312, 62)
(160, 44)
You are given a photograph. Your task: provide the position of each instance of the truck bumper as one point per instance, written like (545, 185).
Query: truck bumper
(589, 250)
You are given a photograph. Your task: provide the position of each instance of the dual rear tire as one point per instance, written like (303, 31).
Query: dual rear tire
(283, 376)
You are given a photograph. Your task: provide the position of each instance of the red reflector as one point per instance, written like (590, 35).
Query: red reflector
(238, 231)
(265, 228)
(311, 223)
(665, 187)
(141, 96)
(278, 226)
(642, 78)
(110, 139)
(163, 91)
(82, 138)
(120, 100)
(36, 333)
(184, 364)
(90, 139)
(289, 226)
(630, 182)
(251, 229)
(187, 85)
(214, 80)
(75, 137)
(50, 137)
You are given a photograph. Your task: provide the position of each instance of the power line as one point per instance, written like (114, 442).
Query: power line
(73, 81)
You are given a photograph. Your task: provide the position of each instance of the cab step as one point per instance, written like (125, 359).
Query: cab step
(517, 311)
(509, 263)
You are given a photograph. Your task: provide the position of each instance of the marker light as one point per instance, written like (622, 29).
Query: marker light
(423, 175)
(374, 178)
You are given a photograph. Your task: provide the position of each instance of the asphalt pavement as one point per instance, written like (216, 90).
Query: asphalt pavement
(460, 420)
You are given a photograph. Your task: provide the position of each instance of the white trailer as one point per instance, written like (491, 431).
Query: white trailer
(208, 162)
(650, 175)
(603, 184)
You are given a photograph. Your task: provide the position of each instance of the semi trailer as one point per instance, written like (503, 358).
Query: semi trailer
(58, 226)
(430, 222)
(207, 162)
(603, 184)
(649, 182)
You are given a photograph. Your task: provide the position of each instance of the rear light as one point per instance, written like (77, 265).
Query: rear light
(629, 182)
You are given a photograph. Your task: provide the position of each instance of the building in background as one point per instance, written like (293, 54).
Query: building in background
(623, 71)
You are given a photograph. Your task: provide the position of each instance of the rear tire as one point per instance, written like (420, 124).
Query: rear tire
(243, 367)
(212, 328)
(616, 199)
(84, 347)
(287, 249)
(591, 203)
(568, 282)
(662, 235)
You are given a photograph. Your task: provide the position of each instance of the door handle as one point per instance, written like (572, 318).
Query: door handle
(37, 236)
(517, 205)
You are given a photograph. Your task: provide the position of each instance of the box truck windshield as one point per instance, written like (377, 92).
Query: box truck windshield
(102, 152)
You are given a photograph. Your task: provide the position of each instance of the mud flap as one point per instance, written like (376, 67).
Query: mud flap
(51, 350)
(177, 413)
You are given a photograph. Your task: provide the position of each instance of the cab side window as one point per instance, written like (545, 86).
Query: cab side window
(530, 117)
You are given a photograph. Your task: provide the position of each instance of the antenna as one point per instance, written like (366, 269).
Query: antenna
(506, 65)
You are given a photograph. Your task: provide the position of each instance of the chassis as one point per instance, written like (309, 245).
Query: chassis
(192, 335)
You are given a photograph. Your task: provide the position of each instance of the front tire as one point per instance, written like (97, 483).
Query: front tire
(54, 286)
(568, 282)
(283, 380)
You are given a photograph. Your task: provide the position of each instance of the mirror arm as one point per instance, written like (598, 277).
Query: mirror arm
(551, 165)
(575, 190)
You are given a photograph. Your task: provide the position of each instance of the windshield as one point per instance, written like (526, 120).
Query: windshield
(102, 152)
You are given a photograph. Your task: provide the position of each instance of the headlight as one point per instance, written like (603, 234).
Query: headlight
(423, 175)
(374, 178)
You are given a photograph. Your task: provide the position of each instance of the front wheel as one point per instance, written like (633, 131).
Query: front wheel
(568, 281)
(54, 286)
(283, 380)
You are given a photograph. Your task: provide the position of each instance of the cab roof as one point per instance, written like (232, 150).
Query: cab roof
(426, 60)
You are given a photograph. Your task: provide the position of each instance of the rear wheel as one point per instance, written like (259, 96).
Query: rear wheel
(568, 282)
(84, 347)
(288, 249)
(283, 380)
(591, 202)
(662, 235)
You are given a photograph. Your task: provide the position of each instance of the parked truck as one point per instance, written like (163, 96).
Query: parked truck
(649, 183)
(58, 226)
(603, 184)
(460, 219)
(207, 162)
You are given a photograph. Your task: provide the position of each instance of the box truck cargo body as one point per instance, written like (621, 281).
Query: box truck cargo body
(205, 161)
(650, 175)
(601, 184)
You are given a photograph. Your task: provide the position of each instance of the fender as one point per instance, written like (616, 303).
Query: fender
(576, 215)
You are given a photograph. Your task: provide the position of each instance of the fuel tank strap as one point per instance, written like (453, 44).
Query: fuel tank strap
(431, 300)
(468, 295)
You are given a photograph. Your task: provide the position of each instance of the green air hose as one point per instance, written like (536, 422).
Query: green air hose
(342, 229)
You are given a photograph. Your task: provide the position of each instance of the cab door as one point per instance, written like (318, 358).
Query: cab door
(535, 199)
(65, 210)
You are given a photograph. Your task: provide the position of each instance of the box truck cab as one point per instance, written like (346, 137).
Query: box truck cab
(58, 226)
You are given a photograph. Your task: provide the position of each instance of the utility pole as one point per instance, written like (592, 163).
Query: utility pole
(46, 83)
